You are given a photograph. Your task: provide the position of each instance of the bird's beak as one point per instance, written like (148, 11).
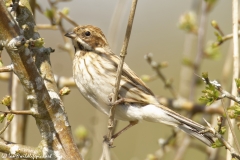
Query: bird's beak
(71, 35)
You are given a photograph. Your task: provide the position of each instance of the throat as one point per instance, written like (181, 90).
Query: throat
(80, 53)
(80, 46)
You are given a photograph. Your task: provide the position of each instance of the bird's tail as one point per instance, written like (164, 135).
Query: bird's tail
(192, 128)
(187, 125)
(206, 138)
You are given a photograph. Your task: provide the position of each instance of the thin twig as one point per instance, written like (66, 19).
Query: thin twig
(8, 68)
(168, 140)
(64, 81)
(5, 127)
(186, 105)
(228, 146)
(225, 94)
(14, 129)
(62, 30)
(120, 66)
(200, 46)
(23, 112)
(156, 68)
(181, 150)
(47, 26)
(231, 128)
(119, 73)
(68, 19)
(225, 38)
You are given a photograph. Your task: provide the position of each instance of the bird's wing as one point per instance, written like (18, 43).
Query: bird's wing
(132, 88)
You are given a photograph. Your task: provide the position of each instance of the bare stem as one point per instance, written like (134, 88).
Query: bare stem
(200, 46)
(120, 66)
(68, 19)
(225, 38)
(47, 26)
(23, 112)
(156, 68)
(119, 72)
(5, 127)
(232, 137)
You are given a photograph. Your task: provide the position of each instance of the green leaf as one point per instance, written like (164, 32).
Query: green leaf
(81, 132)
(6, 101)
(217, 144)
(2, 117)
(1, 62)
(222, 130)
(65, 11)
(49, 13)
(237, 81)
(211, 94)
(205, 75)
(39, 42)
(211, 51)
(10, 117)
(188, 22)
(234, 111)
(187, 62)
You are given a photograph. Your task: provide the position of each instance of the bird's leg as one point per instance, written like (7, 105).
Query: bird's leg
(131, 123)
(119, 101)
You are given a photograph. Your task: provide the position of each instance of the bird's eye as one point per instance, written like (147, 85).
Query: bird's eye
(87, 33)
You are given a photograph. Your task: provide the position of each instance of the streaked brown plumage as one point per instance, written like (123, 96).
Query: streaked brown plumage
(94, 71)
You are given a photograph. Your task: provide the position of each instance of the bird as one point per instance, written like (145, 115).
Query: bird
(94, 72)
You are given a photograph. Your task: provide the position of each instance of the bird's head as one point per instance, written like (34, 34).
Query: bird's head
(88, 38)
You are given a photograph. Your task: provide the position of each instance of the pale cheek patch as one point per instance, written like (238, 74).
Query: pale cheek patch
(84, 44)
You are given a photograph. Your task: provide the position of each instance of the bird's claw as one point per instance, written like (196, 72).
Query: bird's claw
(109, 141)
(119, 101)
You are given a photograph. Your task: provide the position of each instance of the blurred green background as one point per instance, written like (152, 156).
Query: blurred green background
(155, 30)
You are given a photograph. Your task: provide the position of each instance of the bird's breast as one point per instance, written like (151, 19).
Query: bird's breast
(93, 80)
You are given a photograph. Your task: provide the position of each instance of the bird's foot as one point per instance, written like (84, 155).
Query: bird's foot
(119, 101)
(109, 141)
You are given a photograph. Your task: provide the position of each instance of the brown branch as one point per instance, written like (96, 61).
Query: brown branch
(41, 92)
(14, 150)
